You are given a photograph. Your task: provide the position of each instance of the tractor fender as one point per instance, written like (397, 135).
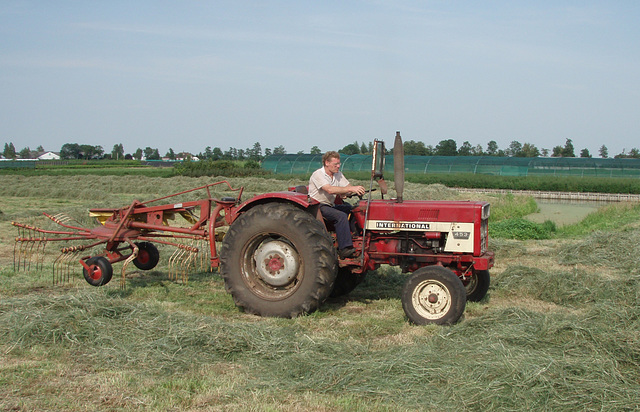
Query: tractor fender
(301, 200)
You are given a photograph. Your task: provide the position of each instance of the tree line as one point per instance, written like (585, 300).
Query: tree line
(447, 147)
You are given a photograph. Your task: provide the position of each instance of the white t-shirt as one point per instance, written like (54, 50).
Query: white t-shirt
(320, 178)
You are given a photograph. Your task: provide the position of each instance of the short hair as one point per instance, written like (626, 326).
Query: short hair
(330, 155)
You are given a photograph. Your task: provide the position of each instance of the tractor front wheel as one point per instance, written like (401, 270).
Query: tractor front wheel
(278, 260)
(148, 256)
(433, 294)
(100, 271)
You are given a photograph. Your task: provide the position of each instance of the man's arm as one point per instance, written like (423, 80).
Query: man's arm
(343, 190)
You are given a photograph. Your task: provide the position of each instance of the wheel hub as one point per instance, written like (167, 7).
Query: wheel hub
(277, 263)
(431, 299)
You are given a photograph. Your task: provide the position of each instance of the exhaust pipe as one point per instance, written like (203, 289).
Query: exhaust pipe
(398, 166)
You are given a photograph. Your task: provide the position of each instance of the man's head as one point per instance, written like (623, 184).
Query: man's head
(331, 162)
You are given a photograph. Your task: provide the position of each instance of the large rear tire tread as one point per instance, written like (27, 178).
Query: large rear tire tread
(291, 225)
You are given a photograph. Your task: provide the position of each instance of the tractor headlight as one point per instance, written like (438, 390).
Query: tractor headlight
(485, 212)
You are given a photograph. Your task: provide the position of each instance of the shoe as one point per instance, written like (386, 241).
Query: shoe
(346, 252)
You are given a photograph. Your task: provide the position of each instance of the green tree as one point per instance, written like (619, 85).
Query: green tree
(514, 149)
(255, 153)
(604, 152)
(465, 149)
(172, 155)
(447, 147)
(9, 151)
(350, 149)
(567, 150)
(117, 152)
(492, 148)
(529, 150)
(88, 151)
(413, 148)
(315, 150)
(279, 150)
(138, 154)
(70, 151)
(25, 153)
(148, 153)
(585, 153)
(557, 151)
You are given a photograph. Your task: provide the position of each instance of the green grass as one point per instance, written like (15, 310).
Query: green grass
(558, 330)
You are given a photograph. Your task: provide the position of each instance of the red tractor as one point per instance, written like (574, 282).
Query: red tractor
(278, 258)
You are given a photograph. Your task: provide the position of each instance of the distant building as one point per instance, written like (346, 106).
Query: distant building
(49, 156)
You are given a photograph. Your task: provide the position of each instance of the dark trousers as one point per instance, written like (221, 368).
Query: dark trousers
(338, 215)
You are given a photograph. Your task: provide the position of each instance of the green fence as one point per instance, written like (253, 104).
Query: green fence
(17, 164)
(491, 165)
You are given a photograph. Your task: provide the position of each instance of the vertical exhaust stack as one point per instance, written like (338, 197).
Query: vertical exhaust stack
(398, 166)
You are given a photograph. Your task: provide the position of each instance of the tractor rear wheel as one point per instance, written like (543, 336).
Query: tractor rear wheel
(148, 256)
(278, 260)
(100, 271)
(433, 294)
(478, 285)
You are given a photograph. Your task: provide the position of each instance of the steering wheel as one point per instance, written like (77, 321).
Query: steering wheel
(360, 197)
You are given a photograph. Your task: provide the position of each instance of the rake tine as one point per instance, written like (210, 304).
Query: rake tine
(66, 274)
(74, 257)
(23, 255)
(56, 265)
(172, 261)
(31, 244)
(130, 259)
(42, 253)
(62, 265)
(15, 246)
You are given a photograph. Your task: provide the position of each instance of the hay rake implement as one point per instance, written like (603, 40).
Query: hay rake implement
(129, 235)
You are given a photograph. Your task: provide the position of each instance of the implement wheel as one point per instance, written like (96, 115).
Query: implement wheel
(100, 271)
(148, 256)
(433, 294)
(478, 285)
(278, 260)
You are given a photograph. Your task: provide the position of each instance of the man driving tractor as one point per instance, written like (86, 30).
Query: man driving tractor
(324, 185)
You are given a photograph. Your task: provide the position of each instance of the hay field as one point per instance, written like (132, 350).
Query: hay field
(559, 329)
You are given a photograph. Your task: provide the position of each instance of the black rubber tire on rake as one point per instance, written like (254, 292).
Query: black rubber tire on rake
(101, 271)
(148, 256)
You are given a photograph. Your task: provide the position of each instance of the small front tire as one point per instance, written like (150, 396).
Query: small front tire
(433, 294)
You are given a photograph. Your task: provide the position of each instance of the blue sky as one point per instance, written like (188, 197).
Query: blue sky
(191, 74)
